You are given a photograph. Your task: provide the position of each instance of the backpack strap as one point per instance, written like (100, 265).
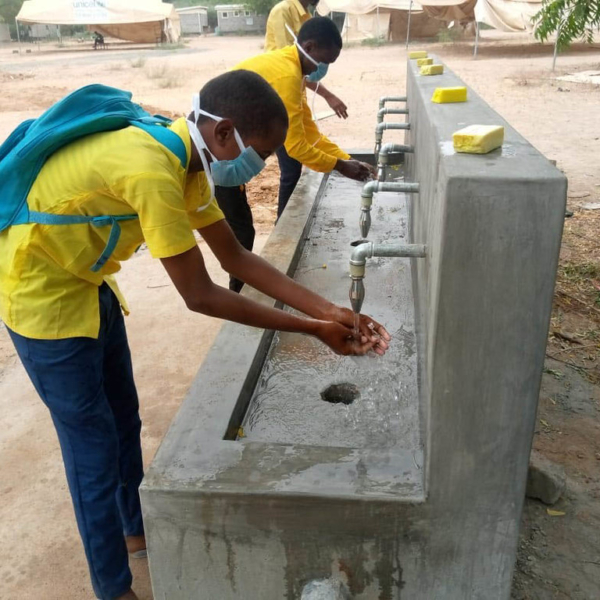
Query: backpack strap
(156, 127)
(112, 220)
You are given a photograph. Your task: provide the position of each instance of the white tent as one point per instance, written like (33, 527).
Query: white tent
(393, 19)
(508, 15)
(133, 20)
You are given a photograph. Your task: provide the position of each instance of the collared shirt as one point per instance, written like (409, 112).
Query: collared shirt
(287, 12)
(47, 290)
(304, 141)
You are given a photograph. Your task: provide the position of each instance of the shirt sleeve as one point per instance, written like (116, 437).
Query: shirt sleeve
(158, 200)
(281, 35)
(317, 139)
(298, 143)
(202, 207)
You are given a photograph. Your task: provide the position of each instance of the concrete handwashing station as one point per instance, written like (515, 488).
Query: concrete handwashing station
(290, 473)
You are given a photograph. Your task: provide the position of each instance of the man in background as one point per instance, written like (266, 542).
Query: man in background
(319, 44)
(285, 19)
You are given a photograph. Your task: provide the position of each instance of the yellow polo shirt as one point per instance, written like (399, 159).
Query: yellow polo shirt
(290, 13)
(304, 141)
(47, 290)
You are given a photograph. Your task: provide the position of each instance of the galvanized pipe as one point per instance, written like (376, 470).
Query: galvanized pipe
(384, 154)
(380, 128)
(366, 199)
(358, 262)
(384, 99)
(388, 149)
(390, 111)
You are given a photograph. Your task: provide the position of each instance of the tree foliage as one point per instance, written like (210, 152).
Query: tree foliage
(9, 9)
(570, 20)
(261, 7)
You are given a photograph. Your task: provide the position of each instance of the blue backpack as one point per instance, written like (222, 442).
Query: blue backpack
(89, 110)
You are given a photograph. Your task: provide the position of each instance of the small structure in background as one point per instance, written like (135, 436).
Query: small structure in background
(42, 31)
(193, 19)
(236, 18)
(4, 33)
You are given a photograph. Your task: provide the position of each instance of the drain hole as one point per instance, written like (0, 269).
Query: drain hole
(358, 243)
(340, 393)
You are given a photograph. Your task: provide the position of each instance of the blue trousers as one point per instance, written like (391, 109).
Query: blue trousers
(289, 174)
(88, 387)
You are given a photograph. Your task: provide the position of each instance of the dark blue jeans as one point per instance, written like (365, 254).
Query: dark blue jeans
(88, 387)
(234, 204)
(290, 170)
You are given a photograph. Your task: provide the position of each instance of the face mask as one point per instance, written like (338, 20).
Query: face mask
(226, 173)
(321, 67)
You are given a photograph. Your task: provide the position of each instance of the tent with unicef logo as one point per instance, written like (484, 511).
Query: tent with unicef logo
(142, 21)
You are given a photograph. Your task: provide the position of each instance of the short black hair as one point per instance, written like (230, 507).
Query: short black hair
(245, 98)
(321, 30)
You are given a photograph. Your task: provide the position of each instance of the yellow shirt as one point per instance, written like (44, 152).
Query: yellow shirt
(304, 141)
(47, 290)
(290, 13)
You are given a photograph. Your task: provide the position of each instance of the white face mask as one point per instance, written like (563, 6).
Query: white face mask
(321, 69)
(226, 173)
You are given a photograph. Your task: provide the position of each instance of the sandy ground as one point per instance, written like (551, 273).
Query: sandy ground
(40, 554)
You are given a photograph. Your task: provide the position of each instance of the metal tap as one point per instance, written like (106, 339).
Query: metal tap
(385, 99)
(384, 157)
(380, 128)
(366, 199)
(390, 111)
(358, 262)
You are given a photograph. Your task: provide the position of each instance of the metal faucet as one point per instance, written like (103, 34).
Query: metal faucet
(385, 99)
(384, 156)
(366, 199)
(358, 262)
(390, 111)
(380, 128)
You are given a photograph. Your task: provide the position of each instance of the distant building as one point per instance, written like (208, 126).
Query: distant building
(40, 31)
(194, 20)
(236, 18)
(4, 33)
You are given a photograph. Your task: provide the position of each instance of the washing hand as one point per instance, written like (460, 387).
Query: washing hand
(354, 169)
(371, 334)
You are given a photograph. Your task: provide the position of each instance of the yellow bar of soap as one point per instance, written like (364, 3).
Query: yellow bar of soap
(417, 54)
(424, 61)
(432, 69)
(449, 94)
(478, 139)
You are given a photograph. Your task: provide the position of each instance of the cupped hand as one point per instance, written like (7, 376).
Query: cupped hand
(342, 341)
(355, 169)
(369, 330)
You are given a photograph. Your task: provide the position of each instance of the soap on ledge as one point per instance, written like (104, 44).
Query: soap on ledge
(432, 69)
(424, 61)
(478, 139)
(417, 54)
(449, 94)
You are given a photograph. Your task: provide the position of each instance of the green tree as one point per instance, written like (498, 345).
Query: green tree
(9, 9)
(570, 20)
(261, 7)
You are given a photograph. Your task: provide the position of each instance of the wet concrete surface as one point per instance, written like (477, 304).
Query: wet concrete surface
(287, 405)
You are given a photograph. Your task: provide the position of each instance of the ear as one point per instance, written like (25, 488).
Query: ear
(224, 132)
(309, 46)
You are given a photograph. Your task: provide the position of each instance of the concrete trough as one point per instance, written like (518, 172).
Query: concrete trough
(409, 482)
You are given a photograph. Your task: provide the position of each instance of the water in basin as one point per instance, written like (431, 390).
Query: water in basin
(288, 404)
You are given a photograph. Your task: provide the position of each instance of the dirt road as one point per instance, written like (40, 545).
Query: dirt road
(41, 555)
